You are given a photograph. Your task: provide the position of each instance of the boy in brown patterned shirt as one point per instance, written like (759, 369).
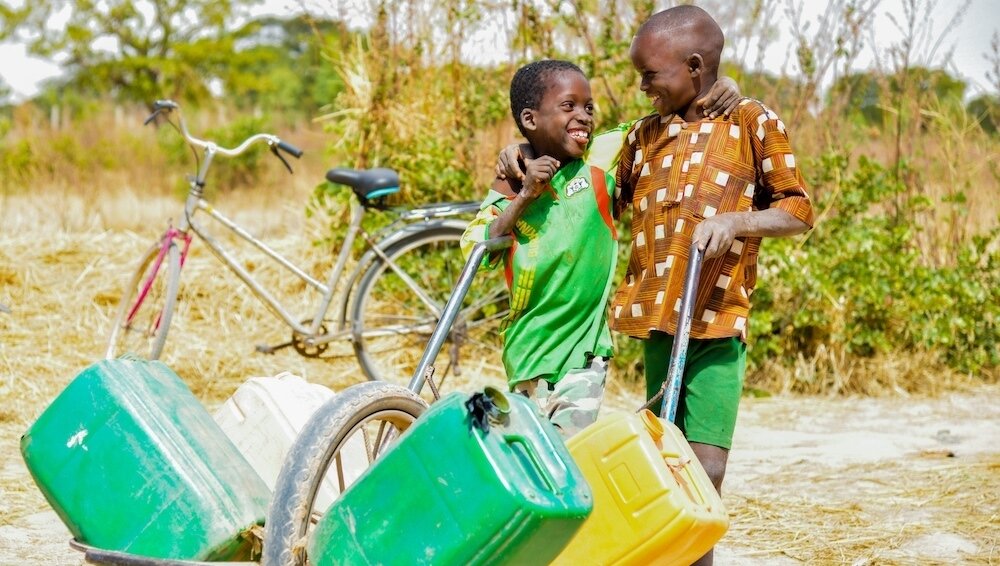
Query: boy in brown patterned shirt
(723, 183)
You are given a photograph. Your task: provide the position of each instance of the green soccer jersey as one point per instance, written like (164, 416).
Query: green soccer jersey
(559, 273)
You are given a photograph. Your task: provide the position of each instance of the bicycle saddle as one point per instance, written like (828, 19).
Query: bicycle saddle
(367, 183)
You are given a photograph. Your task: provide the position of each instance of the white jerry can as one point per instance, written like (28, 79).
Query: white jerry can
(263, 417)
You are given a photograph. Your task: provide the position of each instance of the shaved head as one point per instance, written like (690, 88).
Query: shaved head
(691, 28)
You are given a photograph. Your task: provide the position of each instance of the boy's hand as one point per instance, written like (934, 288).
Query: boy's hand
(721, 100)
(508, 161)
(539, 172)
(715, 235)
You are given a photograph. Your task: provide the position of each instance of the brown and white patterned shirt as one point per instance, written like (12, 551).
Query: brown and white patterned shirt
(676, 174)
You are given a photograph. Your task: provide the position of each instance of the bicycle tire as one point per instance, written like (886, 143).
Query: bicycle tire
(383, 302)
(154, 311)
(321, 440)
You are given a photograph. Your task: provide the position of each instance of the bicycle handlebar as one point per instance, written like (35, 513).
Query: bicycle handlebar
(273, 141)
(289, 148)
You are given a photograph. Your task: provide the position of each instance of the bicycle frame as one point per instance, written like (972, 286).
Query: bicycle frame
(310, 335)
(408, 222)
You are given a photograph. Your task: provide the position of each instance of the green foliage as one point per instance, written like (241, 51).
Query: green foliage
(18, 164)
(429, 135)
(869, 95)
(74, 156)
(985, 109)
(858, 283)
(278, 64)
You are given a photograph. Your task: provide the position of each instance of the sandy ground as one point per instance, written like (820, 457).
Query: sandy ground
(902, 480)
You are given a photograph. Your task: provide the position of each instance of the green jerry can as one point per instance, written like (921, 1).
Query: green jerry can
(132, 462)
(476, 480)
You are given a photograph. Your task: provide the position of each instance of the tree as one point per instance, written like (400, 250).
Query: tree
(131, 49)
(279, 65)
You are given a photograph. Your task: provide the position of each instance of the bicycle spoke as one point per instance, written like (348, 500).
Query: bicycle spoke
(434, 306)
(340, 472)
(369, 451)
(393, 321)
(147, 305)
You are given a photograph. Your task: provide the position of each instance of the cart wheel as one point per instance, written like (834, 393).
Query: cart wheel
(338, 443)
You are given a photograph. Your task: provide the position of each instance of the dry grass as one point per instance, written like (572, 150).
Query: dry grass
(65, 262)
(832, 371)
(872, 513)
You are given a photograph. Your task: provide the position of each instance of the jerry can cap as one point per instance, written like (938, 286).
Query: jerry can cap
(499, 398)
(653, 424)
(491, 407)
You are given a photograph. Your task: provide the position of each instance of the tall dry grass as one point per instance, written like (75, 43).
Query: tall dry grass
(99, 170)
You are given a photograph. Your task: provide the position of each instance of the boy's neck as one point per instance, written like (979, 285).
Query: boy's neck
(693, 112)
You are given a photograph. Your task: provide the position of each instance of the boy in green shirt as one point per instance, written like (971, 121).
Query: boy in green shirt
(559, 270)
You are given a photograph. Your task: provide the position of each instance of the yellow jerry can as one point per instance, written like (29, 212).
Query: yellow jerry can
(653, 502)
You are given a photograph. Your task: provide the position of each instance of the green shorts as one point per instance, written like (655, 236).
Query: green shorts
(711, 388)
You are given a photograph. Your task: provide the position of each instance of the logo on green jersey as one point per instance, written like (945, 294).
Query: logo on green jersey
(576, 185)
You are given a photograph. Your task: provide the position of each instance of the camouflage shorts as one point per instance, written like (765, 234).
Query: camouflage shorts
(573, 402)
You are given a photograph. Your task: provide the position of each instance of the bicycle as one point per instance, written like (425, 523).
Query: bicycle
(389, 303)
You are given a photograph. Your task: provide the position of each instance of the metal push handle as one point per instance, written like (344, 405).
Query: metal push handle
(678, 355)
(453, 305)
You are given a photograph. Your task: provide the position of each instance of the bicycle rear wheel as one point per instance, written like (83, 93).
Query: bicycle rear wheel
(147, 305)
(392, 319)
(343, 438)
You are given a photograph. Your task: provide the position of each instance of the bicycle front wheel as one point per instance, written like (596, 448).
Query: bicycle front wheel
(399, 302)
(341, 440)
(147, 305)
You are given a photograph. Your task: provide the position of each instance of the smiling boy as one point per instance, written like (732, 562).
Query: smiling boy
(720, 183)
(559, 271)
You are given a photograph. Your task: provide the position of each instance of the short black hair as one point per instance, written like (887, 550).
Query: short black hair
(530, 83)
(693, 21)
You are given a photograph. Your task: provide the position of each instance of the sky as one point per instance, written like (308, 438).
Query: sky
(969, 43)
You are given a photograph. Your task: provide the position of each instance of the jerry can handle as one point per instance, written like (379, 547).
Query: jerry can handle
(681, 471)
(533, 457)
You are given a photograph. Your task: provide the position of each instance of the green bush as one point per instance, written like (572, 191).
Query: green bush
(859, 284)
(18, 164)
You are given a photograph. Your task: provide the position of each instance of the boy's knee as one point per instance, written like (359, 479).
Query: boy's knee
(713, 459)
(716, 473)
